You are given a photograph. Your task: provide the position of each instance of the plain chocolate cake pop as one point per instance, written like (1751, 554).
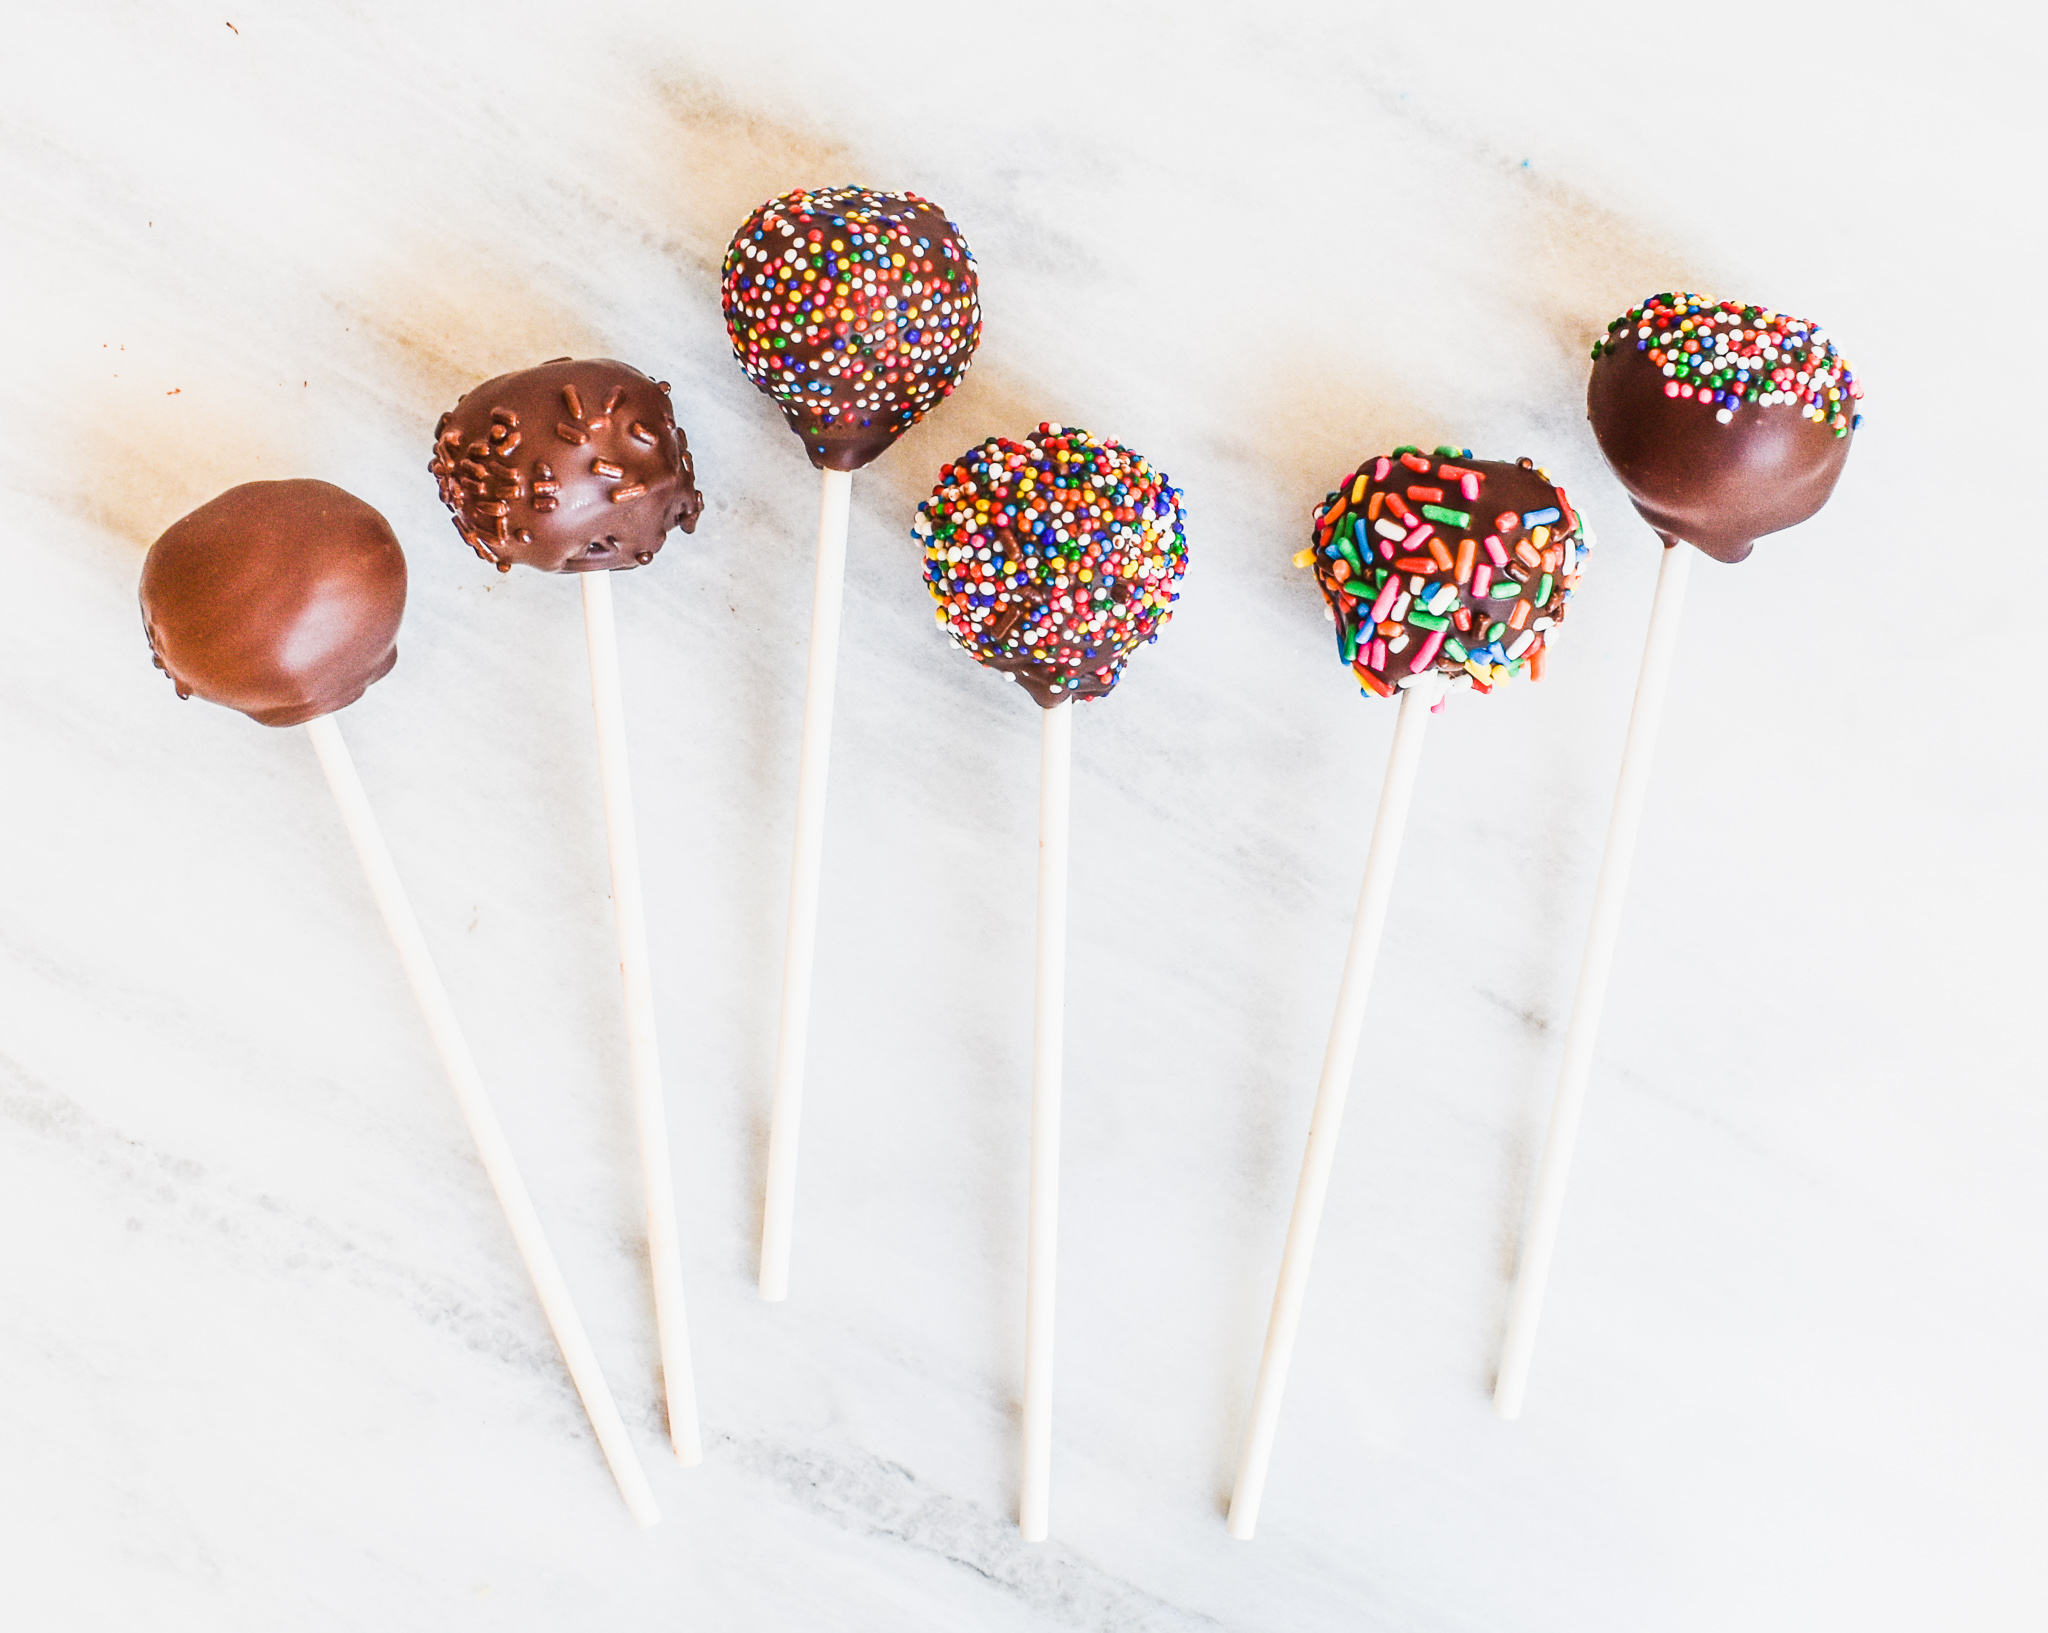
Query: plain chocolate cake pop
(1724, 421)
(280, 599)
(1445, 562)
(571, 467)
(1053, 558)
(856, 311)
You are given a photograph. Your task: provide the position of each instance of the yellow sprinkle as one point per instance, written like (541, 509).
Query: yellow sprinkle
(1358, 489)
(1538, 537)
(1305, 558)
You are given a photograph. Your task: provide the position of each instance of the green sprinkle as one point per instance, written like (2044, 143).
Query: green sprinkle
(1348, 551)
(1427, 620)
(1504, 590)
(1450, 518)
(1453, 453)
(1457, 652)
(1543, 589)
(1494, 632)
(1405, 448)
(1350, 645)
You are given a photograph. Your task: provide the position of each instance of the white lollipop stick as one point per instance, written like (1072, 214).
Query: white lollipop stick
(1547, 1206)
(800, 952)
(1048, 1029)
(1339, 1056)
(649, 1109)
(470, 1094)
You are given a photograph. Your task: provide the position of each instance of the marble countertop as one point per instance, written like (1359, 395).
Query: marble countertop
(270, 1359)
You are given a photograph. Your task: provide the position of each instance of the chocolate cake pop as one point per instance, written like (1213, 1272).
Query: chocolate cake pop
(571, 467)
(855, 310)
(1446, 563)
(1053, 558)
(280, 599)
(1724, 421)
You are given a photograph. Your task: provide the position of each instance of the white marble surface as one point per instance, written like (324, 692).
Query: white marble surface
(269, 1361)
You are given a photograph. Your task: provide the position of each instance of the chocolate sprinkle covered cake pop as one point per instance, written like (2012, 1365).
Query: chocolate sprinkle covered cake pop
(1445, 563)
(1053, 558)
(571, 467)
(855, 310)
(1724, 421)
(280, 599)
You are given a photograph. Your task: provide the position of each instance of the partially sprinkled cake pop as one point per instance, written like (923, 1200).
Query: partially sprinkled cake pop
(855, 310)
(1448, 563)
(280, 599)
(1053, 558)
(571, 467)
(1724, 421)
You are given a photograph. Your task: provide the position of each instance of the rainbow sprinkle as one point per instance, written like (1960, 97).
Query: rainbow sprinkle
(1415, 586)
(1727, 355)
(853, 309)
(1053, 557)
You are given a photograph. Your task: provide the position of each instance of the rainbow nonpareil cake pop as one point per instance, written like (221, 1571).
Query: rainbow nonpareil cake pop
(857, 311)
(1724, 421)
(571, 467)
(1053, 558)
(1444, 563)
(280, 599)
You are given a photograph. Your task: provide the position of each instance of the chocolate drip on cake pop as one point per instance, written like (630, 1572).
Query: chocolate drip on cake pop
(1445, 562)
(1724, 421)
(1053, 558)
(571, 467)
(855, 310)
(280, 599)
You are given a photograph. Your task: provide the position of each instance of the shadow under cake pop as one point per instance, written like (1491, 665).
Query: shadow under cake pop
(1053, 558)
(571, 467)
(279, 599)
(1723, 421)
(856, 310)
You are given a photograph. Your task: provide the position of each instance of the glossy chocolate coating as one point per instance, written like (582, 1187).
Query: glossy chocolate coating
(1469, 561)
(280, 599)
(571, 467)
(857, 311)
(1717, 486)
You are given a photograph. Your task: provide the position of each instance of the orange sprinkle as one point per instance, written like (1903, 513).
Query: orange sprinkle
(1468, 552)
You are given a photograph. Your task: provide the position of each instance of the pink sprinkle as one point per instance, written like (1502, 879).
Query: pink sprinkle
(1379, 471)
(1482, 575)
(1414, 540)
(1376, 658)
(1386, 549)
(1671, 388)
(1496, 550)
(1390, 592)
(1469, 485)
(1422, 658)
